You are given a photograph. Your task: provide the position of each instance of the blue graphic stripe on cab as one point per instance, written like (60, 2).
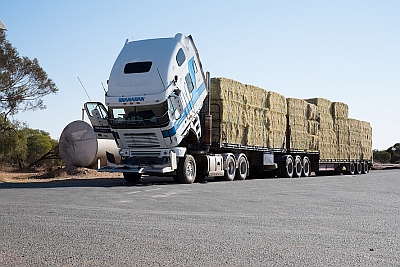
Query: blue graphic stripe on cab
(195, 96)
(170, 132)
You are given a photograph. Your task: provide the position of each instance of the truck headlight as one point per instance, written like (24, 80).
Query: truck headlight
(124, 152)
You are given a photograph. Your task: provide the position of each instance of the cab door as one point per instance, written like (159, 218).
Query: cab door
(98, 115)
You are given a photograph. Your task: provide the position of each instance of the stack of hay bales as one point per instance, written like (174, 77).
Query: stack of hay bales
(366, 140)
(360, 135)
(326, 141)
(248, 115)
(297, 112)
(340, 115)
(303, 124)
(355, 135)
(242, 115)
(276, 130)
(256, 114)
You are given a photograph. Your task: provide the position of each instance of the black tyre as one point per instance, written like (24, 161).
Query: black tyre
(306, 167)
(352, 168)
(229, 173)
(243, 168)
(186, 172)
(132, 177)
(298, 167)
(287, 167)
(358, 167)
(365, 167)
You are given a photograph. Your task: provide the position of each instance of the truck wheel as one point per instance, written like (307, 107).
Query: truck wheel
(287, 168)
(306, 167)
(186, 172)
(298, 167)
(365, 167)
(229, 173)
(352, 168)
(358, 167)
(132, 177)
(243, 168)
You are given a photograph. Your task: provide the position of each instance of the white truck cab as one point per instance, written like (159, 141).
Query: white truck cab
(156, 90)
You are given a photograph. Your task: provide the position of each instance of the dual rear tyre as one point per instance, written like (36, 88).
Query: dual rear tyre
(358, 167)
(295, 167)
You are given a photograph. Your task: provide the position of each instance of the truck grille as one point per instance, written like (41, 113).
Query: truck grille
(141, 140)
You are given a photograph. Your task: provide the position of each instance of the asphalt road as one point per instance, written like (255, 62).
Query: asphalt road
(316, 221)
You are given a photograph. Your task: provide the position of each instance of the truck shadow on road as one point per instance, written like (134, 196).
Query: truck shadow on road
(89, 182)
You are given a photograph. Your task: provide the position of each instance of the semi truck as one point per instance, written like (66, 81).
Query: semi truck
(169, 118)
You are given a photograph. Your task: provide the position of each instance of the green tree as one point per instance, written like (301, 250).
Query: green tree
(22, 147)
(382, 156)
(23, 83)
(13, 144)
(38, 144)
(395, 153)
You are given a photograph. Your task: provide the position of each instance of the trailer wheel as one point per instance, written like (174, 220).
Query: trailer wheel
(306, 167)
(186, 172)
(132, 177)
(243, 168)
(287, 167)
(358, 167)
(229, 173)
(352, 168)
(298, 167)
(365, 167)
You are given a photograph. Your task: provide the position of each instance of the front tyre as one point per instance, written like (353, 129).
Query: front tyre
(186, 172)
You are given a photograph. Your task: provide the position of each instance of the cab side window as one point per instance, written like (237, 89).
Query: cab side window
(180, 57)
(189, 82)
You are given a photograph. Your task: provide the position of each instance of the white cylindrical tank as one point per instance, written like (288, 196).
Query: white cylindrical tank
(80, 147)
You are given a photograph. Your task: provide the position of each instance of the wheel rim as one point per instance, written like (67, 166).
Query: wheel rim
(298, 168)
(190, 170)
(243, 167)
(231, 168)
(358, 167)
(289, 167)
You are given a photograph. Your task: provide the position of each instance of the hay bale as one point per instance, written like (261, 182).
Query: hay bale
(312, 112)
(324, 105)
(276, 139)
(327, 144)
(312, 127)
(276, 102)
(340, 110)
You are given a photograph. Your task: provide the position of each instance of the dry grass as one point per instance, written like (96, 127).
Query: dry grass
(9, 176)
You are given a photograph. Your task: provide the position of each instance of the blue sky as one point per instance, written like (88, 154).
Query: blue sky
(345, 51)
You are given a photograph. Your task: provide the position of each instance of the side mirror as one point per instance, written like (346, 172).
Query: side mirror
(177, 91)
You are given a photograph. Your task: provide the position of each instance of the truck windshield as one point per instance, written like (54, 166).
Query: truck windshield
(147, 116)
